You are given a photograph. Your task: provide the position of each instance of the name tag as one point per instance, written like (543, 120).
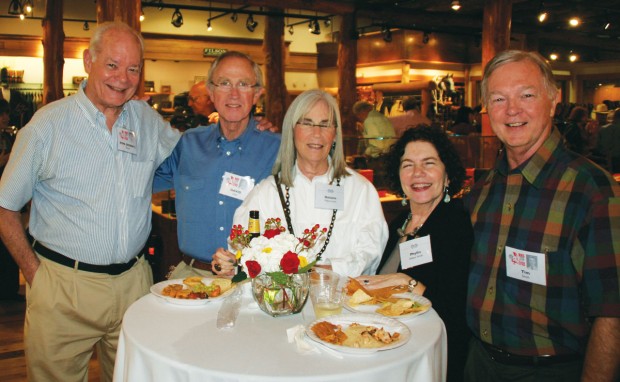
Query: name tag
(415, 252)
(236, 186)
(328, 197)
(127, 141)
(526, 266)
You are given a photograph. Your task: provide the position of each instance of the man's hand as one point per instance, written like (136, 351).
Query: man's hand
(223, 262)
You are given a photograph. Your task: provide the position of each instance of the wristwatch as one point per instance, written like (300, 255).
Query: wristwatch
(412, 284)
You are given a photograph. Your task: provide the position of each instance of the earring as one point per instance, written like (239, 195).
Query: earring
(403, 202)
(446, 198)
(333, 145)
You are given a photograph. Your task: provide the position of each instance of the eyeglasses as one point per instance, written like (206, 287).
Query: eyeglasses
(307, 124)
(227, 86)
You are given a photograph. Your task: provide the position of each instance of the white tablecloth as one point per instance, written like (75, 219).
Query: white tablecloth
(165, 342)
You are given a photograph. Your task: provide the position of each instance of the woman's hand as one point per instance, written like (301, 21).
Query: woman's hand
(223, 263)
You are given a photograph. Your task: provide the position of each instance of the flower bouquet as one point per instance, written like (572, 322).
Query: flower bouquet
(278, 264)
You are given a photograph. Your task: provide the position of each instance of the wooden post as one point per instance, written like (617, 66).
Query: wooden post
(495, 38)
(347, 81)
(273, 47)
(53, 52)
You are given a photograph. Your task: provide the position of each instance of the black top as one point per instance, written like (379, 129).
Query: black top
(445, 278)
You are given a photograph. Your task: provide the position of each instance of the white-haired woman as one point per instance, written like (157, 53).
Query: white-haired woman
(312, 185)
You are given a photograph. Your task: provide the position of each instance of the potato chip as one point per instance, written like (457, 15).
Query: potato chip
(224, 284)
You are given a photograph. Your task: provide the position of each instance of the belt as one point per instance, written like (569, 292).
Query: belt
(506, 358)
(112, 269)
(202, 265)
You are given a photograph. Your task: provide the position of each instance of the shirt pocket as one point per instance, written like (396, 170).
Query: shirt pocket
(190, 196)
(140, 177)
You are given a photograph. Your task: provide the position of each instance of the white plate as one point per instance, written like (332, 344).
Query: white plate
(373, 308)
(389, 324)
(159, 287)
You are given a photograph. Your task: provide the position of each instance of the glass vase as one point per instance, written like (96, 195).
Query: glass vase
(281, 299)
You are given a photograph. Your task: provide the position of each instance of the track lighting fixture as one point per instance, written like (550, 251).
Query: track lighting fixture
(234, 17)
(15, 8)
(607, 25)
(250, 24)
(160, 7)
(574, 21)
(177, 18)
(315, 27)
(542, 13)
(86, 27)
(141, 15)
(291, 30)
(28, 6)
(425, 38)
(572, 57)
(209, 28)
(456, 5)
(553, 56)
(328, 22)
(387, 33)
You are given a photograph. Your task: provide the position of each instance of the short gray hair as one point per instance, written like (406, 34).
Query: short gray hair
(233, 53)
(509, 56)
(102, 29)
(285, 162)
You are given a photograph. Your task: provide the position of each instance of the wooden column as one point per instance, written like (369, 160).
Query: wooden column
(273, 48)
(347, 82)
(53, 52)
(495, 37)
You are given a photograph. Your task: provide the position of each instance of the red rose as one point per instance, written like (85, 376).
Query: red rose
(289, 263)
(253, 268)
(269, 233)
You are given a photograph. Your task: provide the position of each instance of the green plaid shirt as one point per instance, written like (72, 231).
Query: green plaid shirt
(559, 204)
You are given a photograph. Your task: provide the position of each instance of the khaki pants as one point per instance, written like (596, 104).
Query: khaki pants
(70, 312)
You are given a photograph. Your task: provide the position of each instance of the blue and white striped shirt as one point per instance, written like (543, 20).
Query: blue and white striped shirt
(90, 201)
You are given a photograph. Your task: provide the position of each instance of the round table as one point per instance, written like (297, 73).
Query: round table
(161, 341)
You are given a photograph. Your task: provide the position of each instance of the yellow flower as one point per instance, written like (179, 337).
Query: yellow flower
(238, 254)
(302, 261)
(267, 250)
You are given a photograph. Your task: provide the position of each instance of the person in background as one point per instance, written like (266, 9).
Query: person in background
(411, 118)
(9, 271)
(214, 167)
(560, 322)
(425, 167)
(375, 125)
(310, 167)
(87, 162)
(464, 122)
(199, 101)
(574, 130)
(609, 142)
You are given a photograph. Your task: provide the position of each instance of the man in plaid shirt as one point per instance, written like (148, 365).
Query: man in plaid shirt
(544, 294)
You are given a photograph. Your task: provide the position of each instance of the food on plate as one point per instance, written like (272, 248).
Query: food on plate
(380, 294)
(194, 288)
(355, 335)
(360, 297)
(401, 306)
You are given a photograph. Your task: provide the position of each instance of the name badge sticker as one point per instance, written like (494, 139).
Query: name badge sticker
(236, 186)
(526, 266)
(127, 141)
(328, 197)
(415, 252)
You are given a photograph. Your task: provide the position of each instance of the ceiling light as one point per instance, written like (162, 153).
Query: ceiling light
(15, 8)
(250, 23)
(574, 21)
(456, 5)
(553, 56)
(607, 25)
(141, 15)
(209, 28)
(291, 30)
(542, 16)
(22, 16)
(573, 57)
(161, 5)
(387, 34)
(177, 18)
(86, 27)
(328, 22)
(234, 17)
(314, 27)
(28, 6)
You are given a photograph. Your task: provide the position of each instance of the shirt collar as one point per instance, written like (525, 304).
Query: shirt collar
(536, 169)
(88, 107)
(244, 137)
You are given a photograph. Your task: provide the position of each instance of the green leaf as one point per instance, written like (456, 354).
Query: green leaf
(279, 277)
(239, 277)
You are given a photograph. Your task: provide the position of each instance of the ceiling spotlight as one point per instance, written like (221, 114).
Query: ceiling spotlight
(15, 8)
(28, 6)
(574, 22)
(328, 22)
(553, 56)
(456, 5)
(250, 23)
(426, 37)
(607, 25)
(177, 18)
(542, 16)
(161, 5)
(22, 16)
(209, 28)
(572, 57)
(316, 28)
(86, 27)
(291, 30)
(141, 15)
(387, 34)
(234, 17)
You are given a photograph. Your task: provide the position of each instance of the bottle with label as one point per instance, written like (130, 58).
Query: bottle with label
(254, 224)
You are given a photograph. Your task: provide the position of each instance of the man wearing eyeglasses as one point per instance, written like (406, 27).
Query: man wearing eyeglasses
(202, 106)
(214, 167)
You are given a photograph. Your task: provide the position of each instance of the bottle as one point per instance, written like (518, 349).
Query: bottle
(254, 224)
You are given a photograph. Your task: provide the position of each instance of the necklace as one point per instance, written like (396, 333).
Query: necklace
(410, 235)
(287, 213)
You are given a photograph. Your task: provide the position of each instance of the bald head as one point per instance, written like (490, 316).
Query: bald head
(199, 100)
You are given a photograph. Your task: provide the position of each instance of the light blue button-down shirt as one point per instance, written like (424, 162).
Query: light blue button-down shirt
(90, 201)
(195, 170)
